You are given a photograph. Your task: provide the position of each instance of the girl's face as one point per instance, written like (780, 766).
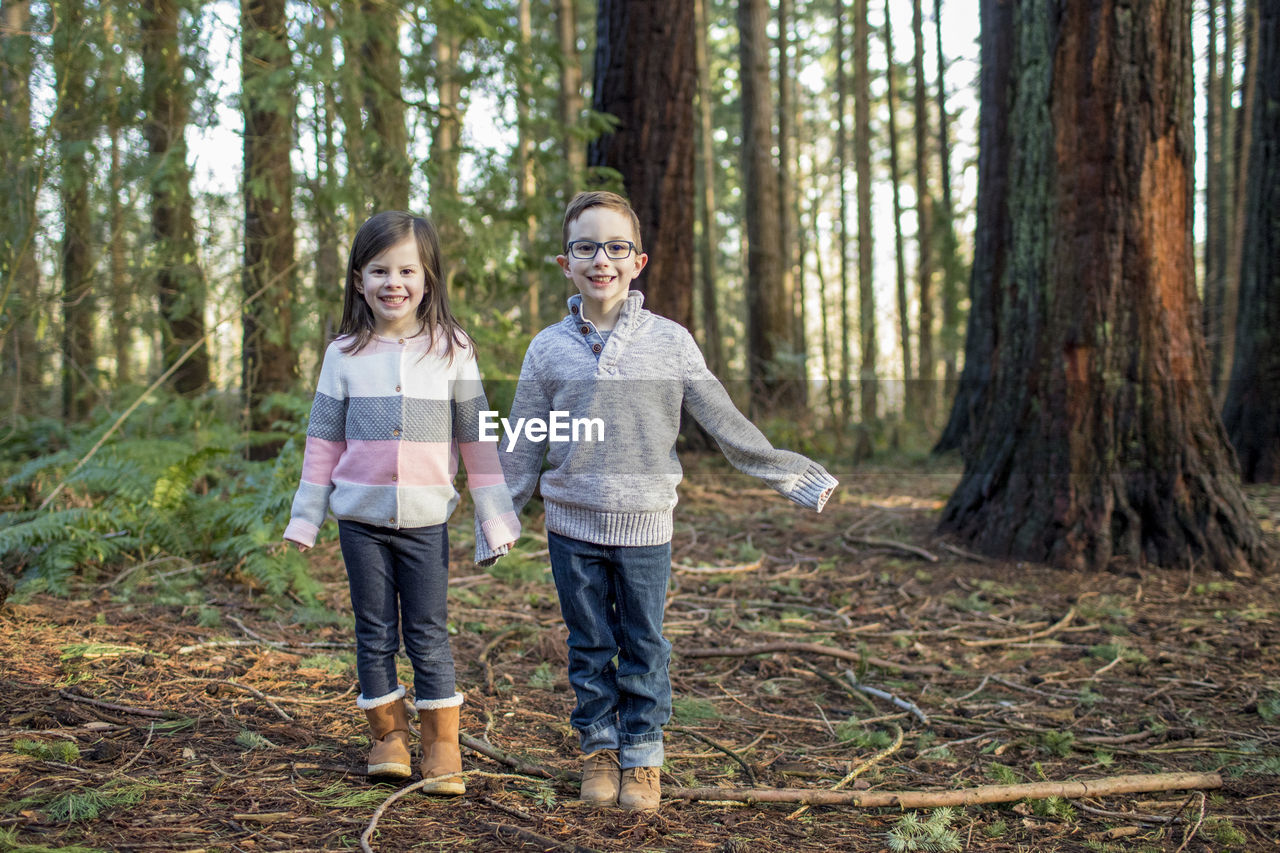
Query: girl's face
(392, 284)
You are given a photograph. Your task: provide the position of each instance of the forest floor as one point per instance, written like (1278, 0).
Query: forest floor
(128, 723)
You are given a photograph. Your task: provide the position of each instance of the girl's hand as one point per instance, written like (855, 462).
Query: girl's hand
(509, 545)
(302, 549)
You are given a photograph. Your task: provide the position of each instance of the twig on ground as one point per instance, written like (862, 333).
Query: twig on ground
(151, 730)
(520, 765)
(1137, 783)
(490, 646)
(889, 697)
(124, 709)
(813, 648)
(960, 552)
(525, 835)
(746, 768)
(716, 570)
(862, 767)
(890, 543)
(1038, 635)
(1191, 833)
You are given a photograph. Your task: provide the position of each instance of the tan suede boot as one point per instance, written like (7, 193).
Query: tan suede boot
(389, 757)
(440, 752)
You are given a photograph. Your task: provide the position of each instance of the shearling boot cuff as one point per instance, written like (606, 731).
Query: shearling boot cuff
(436, 704)
(365, 704)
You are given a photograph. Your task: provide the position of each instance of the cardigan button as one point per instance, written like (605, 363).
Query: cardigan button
(586, 330)
(595, 348)
(573, 308)
(395, 432)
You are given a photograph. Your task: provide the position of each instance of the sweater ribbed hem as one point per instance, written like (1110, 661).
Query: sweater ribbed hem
(609, 528)
(814, 487)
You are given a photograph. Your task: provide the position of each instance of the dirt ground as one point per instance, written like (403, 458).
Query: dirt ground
(164, 709)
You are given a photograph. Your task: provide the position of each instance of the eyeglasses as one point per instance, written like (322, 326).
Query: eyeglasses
(614, 250)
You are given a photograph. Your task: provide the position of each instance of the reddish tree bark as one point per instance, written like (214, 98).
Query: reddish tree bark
(1099, 439)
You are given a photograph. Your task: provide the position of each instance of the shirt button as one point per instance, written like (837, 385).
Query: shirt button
(573, 308)
(586, 330)
(596, 348)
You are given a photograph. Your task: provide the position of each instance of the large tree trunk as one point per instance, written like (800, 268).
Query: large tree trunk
(926, 393)
(569, 99)
(709, 244)
(329, 268)
(269, 363)
(19, 273)
(899, 245)
(386, 140)
(866, 249)
(1100, 440)
(992, 233)
(75, 135)
(771, 369)
(1252, 412)
(179, 284)
(645, 75)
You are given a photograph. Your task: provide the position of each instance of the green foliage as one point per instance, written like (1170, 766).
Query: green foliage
(64, 751)
(1224, 834)
(9, 843)
(851, 731)
(1053, 807)
(1003, 774)
(690, 710)
(88, 803)
(1058, 743)
(543, 677)
(172, 484)
(1269, 707)
(932, 835)
(252, 740)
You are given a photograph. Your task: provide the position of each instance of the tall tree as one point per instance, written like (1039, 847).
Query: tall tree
(1099, 439)
(1218, 122)
(386, 140)
(926, 393)
(708, 245)
(1252, 412)
(645, 76)
(120, 287)
(787, 210)
(948, 244)
(326, 191)
(842, 226)
(71, 53)
(992, 234)
(178, 280)
(1243, 134)
(569, 98)
(866, 246)
(895, 178)
(525, 179)
(19, 273)
(446, 137)
(771, 368)
(268, 358)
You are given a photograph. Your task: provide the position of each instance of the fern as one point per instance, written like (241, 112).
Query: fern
(933, 835)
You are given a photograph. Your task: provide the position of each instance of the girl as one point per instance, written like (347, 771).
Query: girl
(398, 401)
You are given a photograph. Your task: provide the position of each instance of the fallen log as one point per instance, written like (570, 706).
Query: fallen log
(1131, 784)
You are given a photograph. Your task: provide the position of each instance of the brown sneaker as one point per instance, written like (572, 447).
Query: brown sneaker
(641, 789)
(601, 777)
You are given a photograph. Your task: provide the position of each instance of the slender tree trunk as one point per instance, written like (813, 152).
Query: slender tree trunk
(842, 227)
(924, 228)
(770, 326)
(949, 250)
(178, 281)
(1243, 137)
(899, 245)
(1100, 441)
(120, 288)
(268, 358)
(569, 97)
(1214, 222)
(386, 140)
(1252, 412)
(75, 134)
(328, 258)
(992, 234)
(828, 359)
(866, 250)
(19, 274)
(524, 170)
(446, 142)
(786, 178)
(709, 245)
(646, 75)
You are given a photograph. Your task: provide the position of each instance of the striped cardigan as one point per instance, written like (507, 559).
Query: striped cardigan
(387, 426)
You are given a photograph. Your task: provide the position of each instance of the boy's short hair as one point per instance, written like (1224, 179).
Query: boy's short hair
(602, 198)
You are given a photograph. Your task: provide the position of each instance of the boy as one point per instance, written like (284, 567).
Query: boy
(609, 498)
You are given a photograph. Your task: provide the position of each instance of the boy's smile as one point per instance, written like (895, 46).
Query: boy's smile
(602, 281)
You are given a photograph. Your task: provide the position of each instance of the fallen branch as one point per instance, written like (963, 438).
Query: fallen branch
(715, 570)
(124, 709)
(751, 776)
(813, 648)
(530, 837)
(897, 546)
(520, 765)
(1038, 635)
(888, 697)
(1131, 784)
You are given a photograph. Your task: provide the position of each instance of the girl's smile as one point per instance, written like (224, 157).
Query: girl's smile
(392, 285)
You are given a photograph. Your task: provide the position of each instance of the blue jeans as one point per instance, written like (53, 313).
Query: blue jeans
(399, 580)
(612, 598)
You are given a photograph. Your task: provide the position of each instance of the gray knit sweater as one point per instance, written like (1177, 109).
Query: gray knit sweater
(621, 490)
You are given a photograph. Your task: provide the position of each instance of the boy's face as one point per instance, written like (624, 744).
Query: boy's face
(602, 281)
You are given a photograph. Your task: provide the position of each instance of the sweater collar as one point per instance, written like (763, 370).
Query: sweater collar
(627, 317)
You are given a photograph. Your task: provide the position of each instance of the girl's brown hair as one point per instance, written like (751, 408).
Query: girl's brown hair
(379, 233)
